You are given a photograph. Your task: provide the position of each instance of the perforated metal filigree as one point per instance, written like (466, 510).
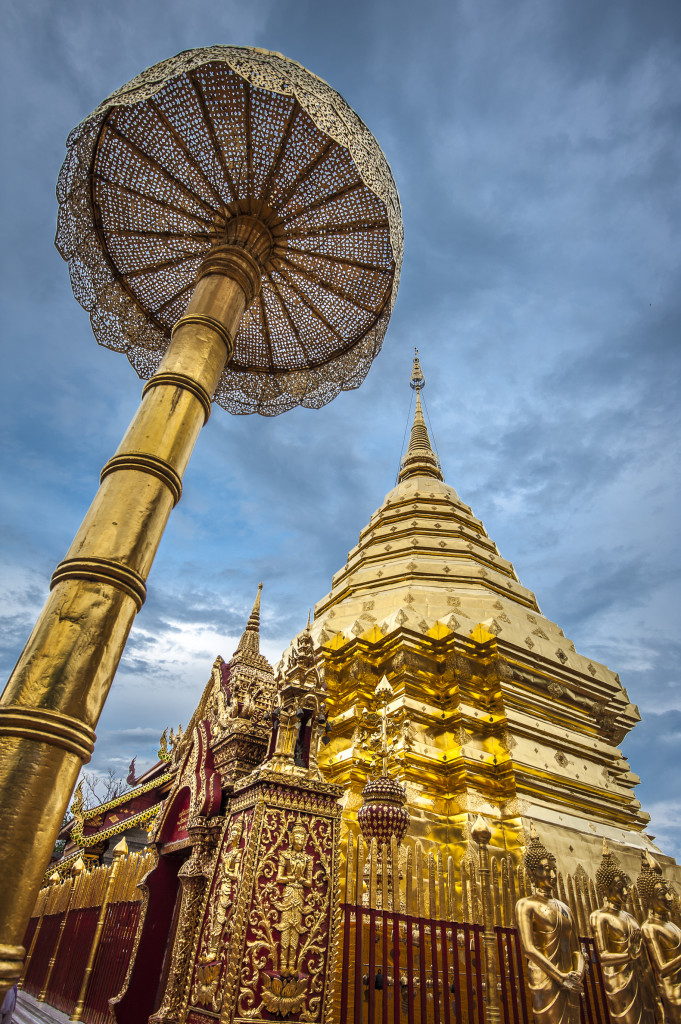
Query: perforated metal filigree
(159, 171)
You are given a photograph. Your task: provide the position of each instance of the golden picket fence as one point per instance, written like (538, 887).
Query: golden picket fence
(417, 944)
(79, 939)
(426, 944)
(433, 887)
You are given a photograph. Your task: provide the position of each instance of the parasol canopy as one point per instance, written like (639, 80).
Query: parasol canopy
(182, 159)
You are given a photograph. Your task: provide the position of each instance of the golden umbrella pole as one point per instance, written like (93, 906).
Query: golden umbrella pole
(56, 693)
(237, 177)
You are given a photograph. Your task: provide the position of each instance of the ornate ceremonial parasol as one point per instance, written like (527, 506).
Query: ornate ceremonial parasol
(176, 162)
(233, 227)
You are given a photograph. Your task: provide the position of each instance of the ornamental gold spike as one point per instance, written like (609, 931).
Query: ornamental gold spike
(250, 638)
(481, 832)
(420, 459)
(417, 381)
(78, 805)
(120, 849)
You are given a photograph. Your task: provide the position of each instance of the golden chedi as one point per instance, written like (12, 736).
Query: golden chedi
(662, 937)
(549, 940)
(627, 977)
(496, 712)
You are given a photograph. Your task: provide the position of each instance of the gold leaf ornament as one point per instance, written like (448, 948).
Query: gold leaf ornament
(284, 995)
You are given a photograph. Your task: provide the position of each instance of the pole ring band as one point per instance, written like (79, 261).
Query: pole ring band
(11, 962)
(145, 463)
(181, 380)
(102, 570)
(53, 727)
(236, 263)
(210, 322)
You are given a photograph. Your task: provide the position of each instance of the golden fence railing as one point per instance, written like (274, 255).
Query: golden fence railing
(412, 944)
(81, 935)
(415, 936)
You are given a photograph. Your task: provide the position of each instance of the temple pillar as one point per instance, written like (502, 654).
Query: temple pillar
(52, 702)
(266, 943)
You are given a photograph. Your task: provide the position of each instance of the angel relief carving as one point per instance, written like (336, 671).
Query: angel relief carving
(288, 935)
(214, 941)
(226, 890)
(295, 871)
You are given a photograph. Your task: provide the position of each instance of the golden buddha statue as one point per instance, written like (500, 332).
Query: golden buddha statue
(628, 980)
(549, 941)
(662, 937)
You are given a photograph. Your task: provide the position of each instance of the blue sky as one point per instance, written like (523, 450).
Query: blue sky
(536, 149)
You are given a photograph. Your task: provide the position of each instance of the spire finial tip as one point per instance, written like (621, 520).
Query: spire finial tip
(417, 381)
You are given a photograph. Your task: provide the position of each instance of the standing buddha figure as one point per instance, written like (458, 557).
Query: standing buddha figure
(628, 980)
(662, 937)
(549, 941)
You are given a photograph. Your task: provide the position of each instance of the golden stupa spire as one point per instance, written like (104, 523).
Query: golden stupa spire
(250, 639)
(420, 459)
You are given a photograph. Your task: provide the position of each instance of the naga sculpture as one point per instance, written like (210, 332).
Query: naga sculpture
(549, 941)
(627, 977)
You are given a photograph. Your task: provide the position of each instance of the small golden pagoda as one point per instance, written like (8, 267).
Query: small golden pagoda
(494, 711)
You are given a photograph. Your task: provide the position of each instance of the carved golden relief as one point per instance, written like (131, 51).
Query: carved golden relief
(295, 872)
(216, 927)
(289, 929)
(226, 890)
(204, 989)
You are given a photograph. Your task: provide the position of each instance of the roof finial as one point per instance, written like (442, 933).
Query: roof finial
(417, 381)
(250, 638)
(420, 459)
